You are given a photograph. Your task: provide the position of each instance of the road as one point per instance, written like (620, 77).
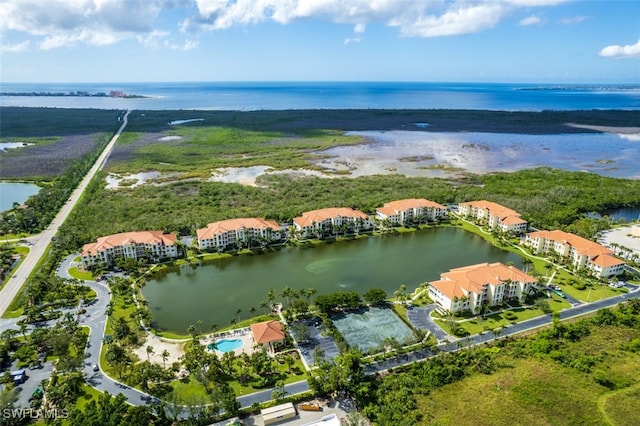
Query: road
(39, 247)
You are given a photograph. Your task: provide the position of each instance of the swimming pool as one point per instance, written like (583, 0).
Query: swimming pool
(225, 345)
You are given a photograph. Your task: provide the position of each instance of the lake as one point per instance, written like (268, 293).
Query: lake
(212, 293)
(15, 192)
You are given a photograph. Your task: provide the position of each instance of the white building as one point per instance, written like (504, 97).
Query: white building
(152, 245)
(400, 212)
(577, 251)
(469, 287)
(233, 233)
(494, 216)
(332, 221)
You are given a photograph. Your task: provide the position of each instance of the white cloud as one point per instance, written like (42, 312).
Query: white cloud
(15, 48)
(414, 18)
(572, 20)
(187, 45)
(57, 23)
(616, 51)
(462, 20)
(530, 20)
(352, 40)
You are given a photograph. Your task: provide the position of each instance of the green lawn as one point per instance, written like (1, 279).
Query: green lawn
(477, 324)
(594, 291)
(80, 274)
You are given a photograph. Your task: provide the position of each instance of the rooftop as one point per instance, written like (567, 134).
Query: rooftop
(317, 216)
(268, 331)
(459, 282)
(127, 238)
(224, 226)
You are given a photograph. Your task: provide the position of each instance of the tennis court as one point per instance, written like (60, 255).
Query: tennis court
(369, 328)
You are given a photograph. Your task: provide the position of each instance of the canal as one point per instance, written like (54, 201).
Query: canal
(214, 292)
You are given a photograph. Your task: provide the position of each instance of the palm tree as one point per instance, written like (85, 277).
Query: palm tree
(165, 355)
(149, 352)
(309, 293)
(192, 331)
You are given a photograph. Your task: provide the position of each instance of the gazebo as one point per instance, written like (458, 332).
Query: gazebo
(268, 333)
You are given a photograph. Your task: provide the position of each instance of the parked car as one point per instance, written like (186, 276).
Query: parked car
(560, 293)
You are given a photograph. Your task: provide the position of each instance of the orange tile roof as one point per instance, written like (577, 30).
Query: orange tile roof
(411, 203)
(471, 279)
(581, 245)
(268, 331)
(223, 226)
(513, 220)
(317, 216)
(494, 208)
(605, 260)
(126, 238)
(387, 211)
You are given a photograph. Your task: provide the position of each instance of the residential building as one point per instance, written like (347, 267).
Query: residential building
(470, 287)
(401, 212)
(268, 333)
(332, 221)
(242, 232)
(152, 245)
(577, 251)
(494, 216)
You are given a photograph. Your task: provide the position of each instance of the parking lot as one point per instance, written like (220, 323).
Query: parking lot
(33, 382)
(316, 339)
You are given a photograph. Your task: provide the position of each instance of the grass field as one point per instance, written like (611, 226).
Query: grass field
(76, 272)
(536, 391)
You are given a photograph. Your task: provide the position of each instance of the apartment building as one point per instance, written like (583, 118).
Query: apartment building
(234, 233)
(401, 212)
(469, 287)
(152, 245)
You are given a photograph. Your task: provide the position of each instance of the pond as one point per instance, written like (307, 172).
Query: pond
(625, 214)
(213, 293)
(15, 192)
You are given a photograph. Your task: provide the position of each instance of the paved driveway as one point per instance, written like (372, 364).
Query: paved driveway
(420, 318)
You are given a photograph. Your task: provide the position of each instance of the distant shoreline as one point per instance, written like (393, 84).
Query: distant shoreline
(78, 94)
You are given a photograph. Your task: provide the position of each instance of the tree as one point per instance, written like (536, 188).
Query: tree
(165, 355)
(289, 360)
(149, 352)
(279, 392)
(375, 296)
(192, 331)
(300, 331)
(543, 304)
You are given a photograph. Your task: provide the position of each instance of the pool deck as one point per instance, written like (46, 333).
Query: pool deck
(243, 334)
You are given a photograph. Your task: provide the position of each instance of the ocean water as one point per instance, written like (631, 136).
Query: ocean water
(329, 95)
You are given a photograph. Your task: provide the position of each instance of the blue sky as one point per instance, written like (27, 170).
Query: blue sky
(538, 41)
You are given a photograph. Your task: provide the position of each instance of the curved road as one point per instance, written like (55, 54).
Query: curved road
(42, 241)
